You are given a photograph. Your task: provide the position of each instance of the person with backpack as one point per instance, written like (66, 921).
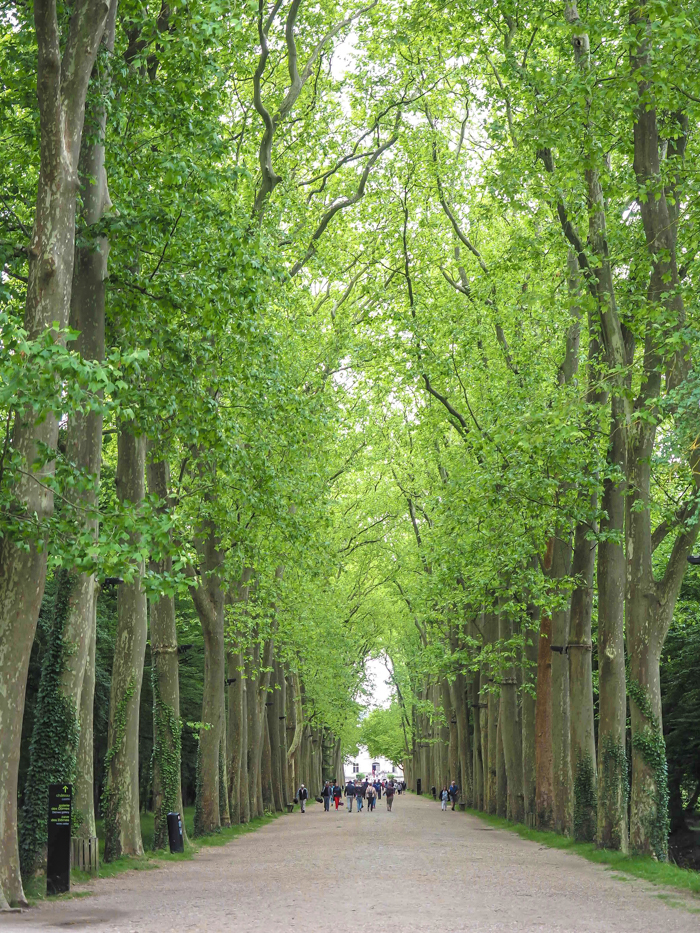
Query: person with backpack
(350, 794)
(389, 794)
(303, 796)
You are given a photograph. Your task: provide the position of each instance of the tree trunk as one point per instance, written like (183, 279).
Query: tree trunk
(120, 797)
(501, 776)
(544, 766)
(273, 720)
(209, 603)
(63, 73)
(583, 754)
(561, 709)
(459, 702)
(224, 812)
(494, 756)
(612, 704)
(287, 789)
(485, 750)
(650, 604)
(84, 779)
(266, 766)
(236, 753)
(492, 701)
(478, 766)
(529, 705)
(511, 729)
(293, 736)
(165, 681)
(244, 806)
(87, 316)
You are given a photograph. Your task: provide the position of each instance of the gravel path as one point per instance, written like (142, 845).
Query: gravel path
(416, 870)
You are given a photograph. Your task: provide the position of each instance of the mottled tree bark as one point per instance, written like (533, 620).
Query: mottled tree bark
(612, 829)
(510, 720)
(561, 708)
(544, 783)
(583, 752)
(478, 765)
(165, 675)
(245, 777)
(121, 794)
(209, 603)
(84, 794)
(235, 733)
(529, 704)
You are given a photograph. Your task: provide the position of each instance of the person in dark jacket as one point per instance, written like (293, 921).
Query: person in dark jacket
(453, 791)
(389, 794)
(337, 794)
(350, 793)
(371, 797)
(303, 796)
(378, 787)
(326, 794)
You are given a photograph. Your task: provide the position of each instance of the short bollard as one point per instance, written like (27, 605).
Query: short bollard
(175, 839)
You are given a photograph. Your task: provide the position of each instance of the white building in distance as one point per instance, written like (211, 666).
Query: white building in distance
(363, 764)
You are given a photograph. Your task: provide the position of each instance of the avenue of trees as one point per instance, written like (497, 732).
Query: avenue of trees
(332, 331)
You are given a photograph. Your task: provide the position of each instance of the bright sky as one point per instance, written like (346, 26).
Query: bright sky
(379, 683)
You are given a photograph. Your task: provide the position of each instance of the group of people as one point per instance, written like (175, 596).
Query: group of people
(449, 793)
(360, 791)
(371, 792)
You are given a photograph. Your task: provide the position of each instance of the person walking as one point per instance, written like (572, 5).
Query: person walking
(371, 797)
(326, 794)
(444, 797)
(359, 796)
(378, 788)
(350, 793)
(389, 794)
(303, 796)
(453, 792)
(337, 793)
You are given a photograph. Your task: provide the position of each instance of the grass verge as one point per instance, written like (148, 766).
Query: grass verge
(35, 888)
(640, 866)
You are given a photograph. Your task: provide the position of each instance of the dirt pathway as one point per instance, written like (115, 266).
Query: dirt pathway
(416, 870)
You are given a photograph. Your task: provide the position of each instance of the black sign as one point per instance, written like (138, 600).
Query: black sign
(58, 858)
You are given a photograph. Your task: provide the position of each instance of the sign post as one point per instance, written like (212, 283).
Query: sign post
(59, 827)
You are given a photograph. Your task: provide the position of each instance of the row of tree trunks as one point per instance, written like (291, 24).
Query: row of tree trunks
(65, 59)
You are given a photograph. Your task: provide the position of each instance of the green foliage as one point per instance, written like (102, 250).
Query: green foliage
(382, 733)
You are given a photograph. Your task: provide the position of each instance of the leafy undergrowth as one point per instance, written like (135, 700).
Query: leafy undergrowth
(641, 866)
(35, 889)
